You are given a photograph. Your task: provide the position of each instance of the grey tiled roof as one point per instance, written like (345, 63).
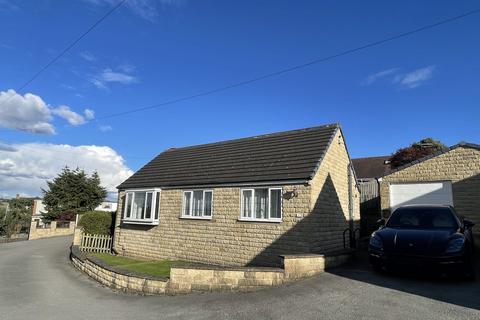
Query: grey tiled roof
(283, 156)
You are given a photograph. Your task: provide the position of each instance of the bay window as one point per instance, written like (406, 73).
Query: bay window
(261, 204)
(197, 204)
(142, 206)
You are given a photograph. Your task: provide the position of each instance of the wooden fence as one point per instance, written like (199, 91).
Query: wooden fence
(96, 243)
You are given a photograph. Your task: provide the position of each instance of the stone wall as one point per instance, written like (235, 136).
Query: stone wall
(53, 231)
(205, 278)
(117, 278)
(313, 221)
(461, 166)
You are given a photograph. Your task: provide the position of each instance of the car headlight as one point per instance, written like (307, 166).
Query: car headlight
(455, 245)
(376, 242)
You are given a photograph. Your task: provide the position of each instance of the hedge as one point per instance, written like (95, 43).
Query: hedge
(97, 222)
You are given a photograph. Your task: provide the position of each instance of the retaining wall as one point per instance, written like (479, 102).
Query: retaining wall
(206, 278)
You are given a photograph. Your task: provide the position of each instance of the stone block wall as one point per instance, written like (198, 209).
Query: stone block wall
(313, 221)
(205, 278)
(461, 166)
(53, 231)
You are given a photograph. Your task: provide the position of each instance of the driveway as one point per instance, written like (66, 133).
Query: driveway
(37, 281)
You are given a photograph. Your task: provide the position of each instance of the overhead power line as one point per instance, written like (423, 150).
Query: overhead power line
(296, 67)
(68, 48)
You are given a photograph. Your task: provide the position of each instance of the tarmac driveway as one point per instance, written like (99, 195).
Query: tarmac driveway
(37, 281)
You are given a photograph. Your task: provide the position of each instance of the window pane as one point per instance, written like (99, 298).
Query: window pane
(261, 198)
(197, 203)
(208, 203)
(138, 205)
(157, 205)
(148, 210)
(187, 203)
(247, 203)
(275, 203)
(128, 204)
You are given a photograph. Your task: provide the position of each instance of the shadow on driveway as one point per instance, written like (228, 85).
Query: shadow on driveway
(426, 284)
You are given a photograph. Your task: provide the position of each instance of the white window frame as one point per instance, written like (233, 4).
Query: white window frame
(189, 215)
(147, 221)
(253, 218)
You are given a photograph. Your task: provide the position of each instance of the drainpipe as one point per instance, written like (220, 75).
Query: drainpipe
(350, 207)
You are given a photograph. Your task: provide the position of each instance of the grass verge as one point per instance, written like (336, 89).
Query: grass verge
(159, 268)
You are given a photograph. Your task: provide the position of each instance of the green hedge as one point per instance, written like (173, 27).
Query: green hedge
(97, 222)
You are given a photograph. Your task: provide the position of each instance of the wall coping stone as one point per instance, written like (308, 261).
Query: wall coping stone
(199, 266)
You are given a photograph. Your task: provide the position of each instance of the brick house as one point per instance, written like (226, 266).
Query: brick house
(241, 202)
(451, 177)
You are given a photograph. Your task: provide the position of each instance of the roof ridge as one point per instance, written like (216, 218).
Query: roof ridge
(334, 125)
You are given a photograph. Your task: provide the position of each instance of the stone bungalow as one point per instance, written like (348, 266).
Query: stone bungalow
(241, 202)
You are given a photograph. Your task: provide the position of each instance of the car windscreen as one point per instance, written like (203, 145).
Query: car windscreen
(423, 218)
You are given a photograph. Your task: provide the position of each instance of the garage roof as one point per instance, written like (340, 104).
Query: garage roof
(284, 156)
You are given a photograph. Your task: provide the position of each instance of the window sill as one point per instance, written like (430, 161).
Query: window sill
(260, 220)
(144, 222)
(195, 218)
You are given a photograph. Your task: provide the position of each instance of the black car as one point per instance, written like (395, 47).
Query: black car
(423, 235)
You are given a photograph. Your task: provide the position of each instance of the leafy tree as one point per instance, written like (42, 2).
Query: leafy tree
(416, 151)
(18, 215)
(72, 191)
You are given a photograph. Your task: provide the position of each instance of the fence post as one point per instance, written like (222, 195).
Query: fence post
(53, 226)
(33, 230)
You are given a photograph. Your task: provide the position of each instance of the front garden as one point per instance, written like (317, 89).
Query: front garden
(150, 268)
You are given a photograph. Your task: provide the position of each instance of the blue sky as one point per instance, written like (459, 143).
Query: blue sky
(147, 52)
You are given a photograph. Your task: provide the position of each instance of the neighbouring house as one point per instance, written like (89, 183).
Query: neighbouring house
(368, 170)
(38, 209)
(451, 177)
(241, 202)
(108, 206)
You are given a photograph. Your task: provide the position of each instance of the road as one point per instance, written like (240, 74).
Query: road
(37, 281)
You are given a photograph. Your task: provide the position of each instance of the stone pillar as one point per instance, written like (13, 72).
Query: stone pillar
(33, 230)
(71, 226)
(53, 226)
(77, 236)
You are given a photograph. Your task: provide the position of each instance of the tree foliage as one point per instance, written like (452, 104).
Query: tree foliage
(14, 215)
(416, 151)
(72, 191)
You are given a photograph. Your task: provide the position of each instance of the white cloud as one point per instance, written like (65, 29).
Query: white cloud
(409, 80)
(109, 76)
(72, 117)
(376, 76)
(105, 128)
(26, 168)
(415, 78)
(88, 56)
(89, 114)
(29, 113)
(146, 9)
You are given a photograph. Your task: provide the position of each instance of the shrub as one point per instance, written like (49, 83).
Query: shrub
(97, 222)
(67, 216)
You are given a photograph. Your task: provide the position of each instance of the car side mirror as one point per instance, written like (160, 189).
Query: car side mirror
(468, 224)
(381, 222)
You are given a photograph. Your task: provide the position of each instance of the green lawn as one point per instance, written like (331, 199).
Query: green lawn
(152, 268)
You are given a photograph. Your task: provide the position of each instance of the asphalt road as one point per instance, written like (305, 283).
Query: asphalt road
(37, 281)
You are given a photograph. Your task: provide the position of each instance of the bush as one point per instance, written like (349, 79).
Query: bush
(97, 222)
(67, 216)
